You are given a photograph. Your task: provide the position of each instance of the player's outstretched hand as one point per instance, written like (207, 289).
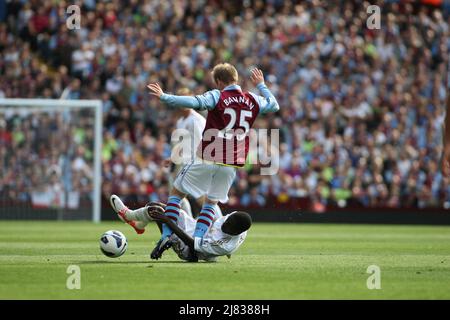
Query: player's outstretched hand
(155, 89)
(257, 76)
(157, 213)
(156, 203)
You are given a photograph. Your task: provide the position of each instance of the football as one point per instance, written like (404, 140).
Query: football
(113, 243)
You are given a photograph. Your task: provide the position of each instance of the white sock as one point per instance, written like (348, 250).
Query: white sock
(139, 215)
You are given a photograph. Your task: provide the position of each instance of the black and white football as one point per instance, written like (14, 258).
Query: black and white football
(113, 243)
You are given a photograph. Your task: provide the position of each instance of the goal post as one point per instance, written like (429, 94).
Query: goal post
(45, 129)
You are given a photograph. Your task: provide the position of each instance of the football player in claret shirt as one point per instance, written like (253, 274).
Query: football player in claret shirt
(224, 146)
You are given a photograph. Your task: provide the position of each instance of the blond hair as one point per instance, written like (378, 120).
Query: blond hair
(225, 72)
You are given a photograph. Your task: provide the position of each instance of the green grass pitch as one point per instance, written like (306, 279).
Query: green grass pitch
(277, 261)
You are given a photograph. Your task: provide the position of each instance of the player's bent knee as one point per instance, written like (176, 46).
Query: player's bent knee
(178, 193)
(211, 202)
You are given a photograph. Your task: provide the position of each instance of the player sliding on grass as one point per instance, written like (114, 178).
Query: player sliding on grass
(138, 219)
(224, 237)
(224, 146)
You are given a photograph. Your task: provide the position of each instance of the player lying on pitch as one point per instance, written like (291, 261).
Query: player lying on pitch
(224, 236)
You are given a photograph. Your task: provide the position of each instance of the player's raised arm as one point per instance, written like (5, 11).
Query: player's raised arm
(206, 101)
(268, 102)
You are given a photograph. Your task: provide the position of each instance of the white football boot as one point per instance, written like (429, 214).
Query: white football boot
(124, 213)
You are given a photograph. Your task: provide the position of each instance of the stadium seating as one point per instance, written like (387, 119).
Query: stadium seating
(361, 110)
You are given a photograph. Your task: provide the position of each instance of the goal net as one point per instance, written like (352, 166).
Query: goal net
(50, 159)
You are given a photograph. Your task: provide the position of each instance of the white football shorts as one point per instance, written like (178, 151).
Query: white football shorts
(199, 178)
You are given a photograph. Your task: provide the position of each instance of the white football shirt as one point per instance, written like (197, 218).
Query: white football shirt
(194, 124)
(217, 243)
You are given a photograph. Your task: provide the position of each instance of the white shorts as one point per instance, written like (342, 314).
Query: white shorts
(199, 178)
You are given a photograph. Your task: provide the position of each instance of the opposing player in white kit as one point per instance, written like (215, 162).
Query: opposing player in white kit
(224, 237)
(192, 124)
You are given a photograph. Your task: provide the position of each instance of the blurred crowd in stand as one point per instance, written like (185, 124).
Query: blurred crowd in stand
(361, 110)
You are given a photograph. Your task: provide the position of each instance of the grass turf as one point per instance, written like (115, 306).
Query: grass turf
(277, 261)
